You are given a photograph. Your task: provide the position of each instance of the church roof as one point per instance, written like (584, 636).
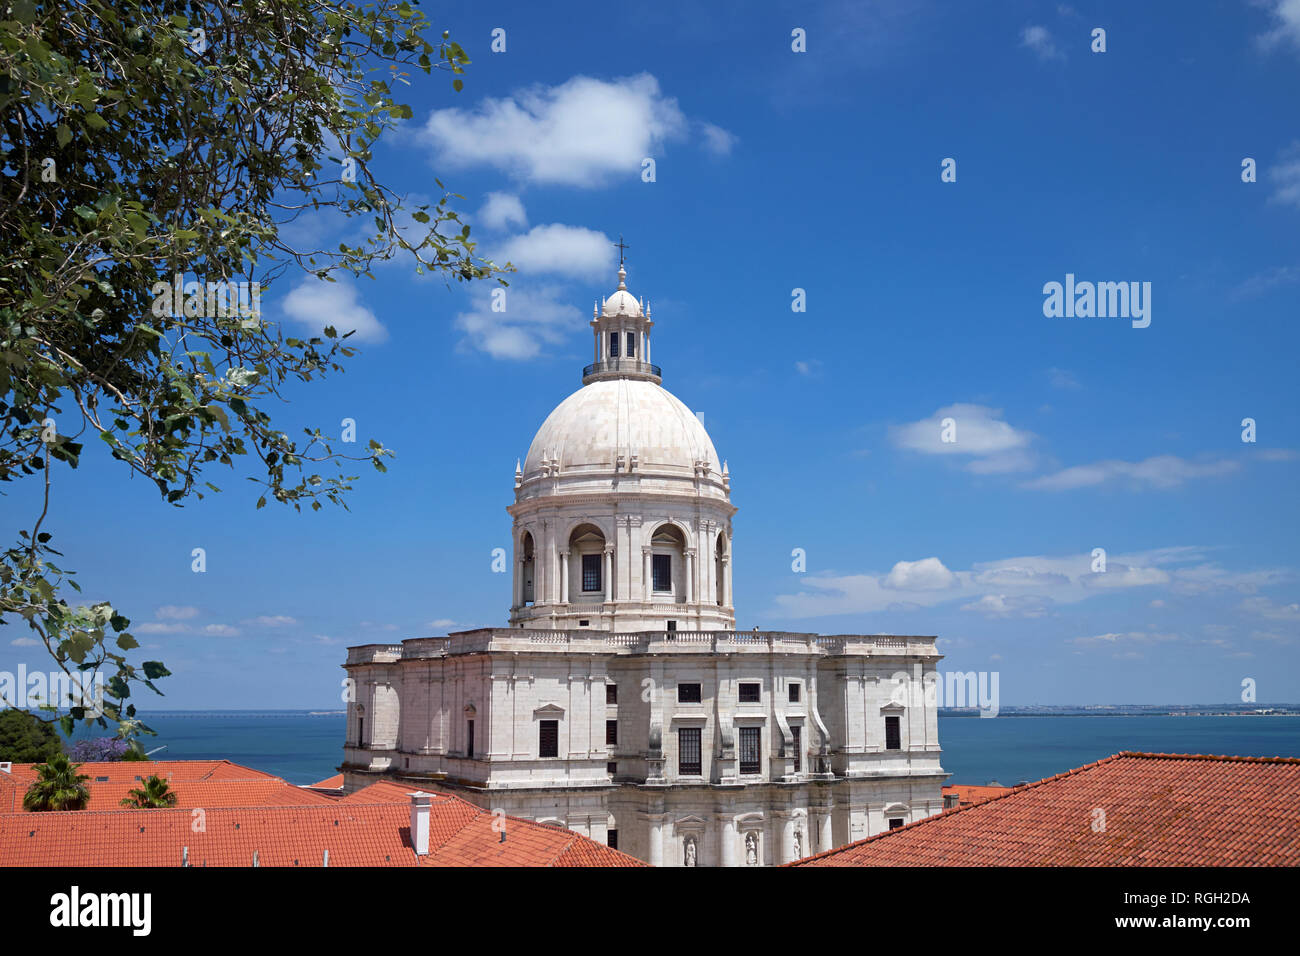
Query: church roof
(621, 302)
(606, 419)
(1131, 809)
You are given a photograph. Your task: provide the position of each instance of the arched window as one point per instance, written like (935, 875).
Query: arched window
(528, 567)
(586, 564)
(667, 563)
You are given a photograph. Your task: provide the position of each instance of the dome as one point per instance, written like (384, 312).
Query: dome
(591, 428)
(621, 303)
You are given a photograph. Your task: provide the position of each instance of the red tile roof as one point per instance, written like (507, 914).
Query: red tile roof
(967, 794)
(368, 828)
(196, 783)
(1159, 810)
(329, 783)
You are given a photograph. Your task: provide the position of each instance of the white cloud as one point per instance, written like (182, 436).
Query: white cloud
(583, 132)
(925, 575)
(271, 620)
(1161, 471)
(1002, 605)
(1286, 28)
(24, 642)
(1022, 586)
(1271, 610)
(160, 627)
(563, 250)
(716, 140)
(1115, 639)
(1285, 175)
(808, 367)
(1039, 39)
(503, 210)
(1120, 576)
(1261, 283)
(994, 446)
(532, 319)
(315, 304)
(221, 630)
(171, 612)
(442, 622)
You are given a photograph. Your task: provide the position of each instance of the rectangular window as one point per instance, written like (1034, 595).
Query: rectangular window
(797, 733)
(661, 572)
(611, 693)
(548, 738)
(469, 738)
(672, 628)
(611, 839)
(688, 693)
(688, 751)
(893, 735)
(361, 731)
(895, 823)
(613, 345)
(611, 732)
(591, 572)
(751, 753)
(794, 693)
(751, 693)
(611, 768)
(631, 345)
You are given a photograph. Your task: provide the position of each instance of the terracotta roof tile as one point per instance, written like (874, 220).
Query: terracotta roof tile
(1159, 810)
(370, 827)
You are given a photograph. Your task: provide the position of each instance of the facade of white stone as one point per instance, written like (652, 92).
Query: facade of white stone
(621, 702)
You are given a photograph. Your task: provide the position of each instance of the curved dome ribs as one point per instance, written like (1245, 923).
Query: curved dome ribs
(625, 456)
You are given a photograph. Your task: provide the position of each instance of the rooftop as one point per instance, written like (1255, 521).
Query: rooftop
(592, 641)
(1131, 809)
(370, 827)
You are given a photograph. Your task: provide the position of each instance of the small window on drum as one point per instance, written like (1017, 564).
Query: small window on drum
(630, 351)
(613, 345)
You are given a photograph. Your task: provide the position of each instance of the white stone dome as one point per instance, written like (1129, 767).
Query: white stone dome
(621, 303)
(605, 419)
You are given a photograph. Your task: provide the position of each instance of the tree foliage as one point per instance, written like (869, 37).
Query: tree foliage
(25, 738)
(142, 140)
(154, 793)
(58, 786)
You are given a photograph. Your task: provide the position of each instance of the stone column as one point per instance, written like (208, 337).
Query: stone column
(787, 822)
(690, 575)
(564, 575)
(656, 839)
(824, 840)
(609, 573)
(730, 841)
(647, 594)
(519, 582)
(726, 579)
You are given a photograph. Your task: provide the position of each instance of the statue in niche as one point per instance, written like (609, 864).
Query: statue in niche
(690, 851)
(798, 844)
(751, 849)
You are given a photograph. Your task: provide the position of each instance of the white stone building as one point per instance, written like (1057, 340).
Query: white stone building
(621, 702)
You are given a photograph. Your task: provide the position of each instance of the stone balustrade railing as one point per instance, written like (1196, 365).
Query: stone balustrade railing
(646, 642)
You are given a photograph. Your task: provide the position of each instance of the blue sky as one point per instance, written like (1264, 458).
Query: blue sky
(820, 171)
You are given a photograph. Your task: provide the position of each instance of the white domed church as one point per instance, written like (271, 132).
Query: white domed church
(621, 702)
